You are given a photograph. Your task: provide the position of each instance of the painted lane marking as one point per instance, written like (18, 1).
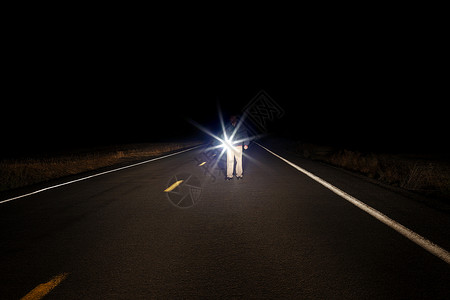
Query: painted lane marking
(170, 188)
(202, 164)
(95, 175)
(43, 289)
(406, 232)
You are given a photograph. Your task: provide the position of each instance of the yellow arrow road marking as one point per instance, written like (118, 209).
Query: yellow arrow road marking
(45, 288)
(170, 188)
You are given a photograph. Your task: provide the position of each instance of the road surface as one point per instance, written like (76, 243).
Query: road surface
(173, 227)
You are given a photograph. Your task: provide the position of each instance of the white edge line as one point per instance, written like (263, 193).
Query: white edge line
(95, 175)
(406, 232)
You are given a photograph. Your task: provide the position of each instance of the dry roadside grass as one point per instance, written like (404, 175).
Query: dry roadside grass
(425, 175)
(16, 173)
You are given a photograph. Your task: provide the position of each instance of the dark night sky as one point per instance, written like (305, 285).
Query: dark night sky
(106, 85)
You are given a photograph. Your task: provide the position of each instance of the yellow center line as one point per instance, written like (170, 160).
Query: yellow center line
(202, 164)
(170, 188)
(45, 288)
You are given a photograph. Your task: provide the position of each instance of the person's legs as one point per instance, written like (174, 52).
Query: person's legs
(238, 155)
(230, 162)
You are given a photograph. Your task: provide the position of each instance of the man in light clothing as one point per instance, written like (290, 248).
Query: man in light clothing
(236, 137)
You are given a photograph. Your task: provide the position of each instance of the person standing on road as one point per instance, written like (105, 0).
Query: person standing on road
(236, 137)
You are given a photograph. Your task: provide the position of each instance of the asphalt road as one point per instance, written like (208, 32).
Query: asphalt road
(275, 234)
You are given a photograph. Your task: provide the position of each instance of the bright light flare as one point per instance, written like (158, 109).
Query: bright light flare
(226, 142)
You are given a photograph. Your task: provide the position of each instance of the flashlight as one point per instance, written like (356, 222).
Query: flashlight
(226, 143)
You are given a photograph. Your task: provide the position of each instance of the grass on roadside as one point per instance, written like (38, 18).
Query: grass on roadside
(425, 175)
(16, 173)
